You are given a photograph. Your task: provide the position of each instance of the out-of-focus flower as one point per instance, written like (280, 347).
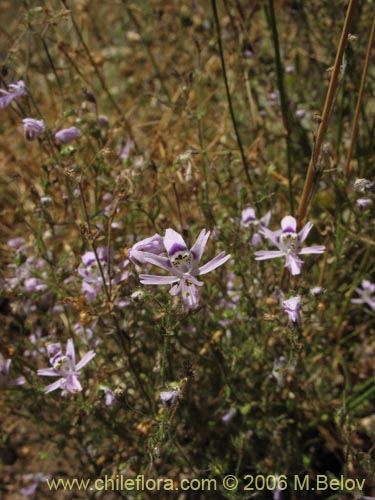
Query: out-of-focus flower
(4, 374)
(110, 397)
(169, 398)
(292, 307)
(316, 290)
(126, 150)
(89, 269)
(67, 135)
(64, 366)
(15, 91)
(288, 241)
(34, 480)
(364, 203)
(366, 294)
(183, 264)
(249, 219)
(278, 370)
(228, 416)
(33, 128)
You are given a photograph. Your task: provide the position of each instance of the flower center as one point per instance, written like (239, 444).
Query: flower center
(289, 241)
(63, 364)
(182, 261)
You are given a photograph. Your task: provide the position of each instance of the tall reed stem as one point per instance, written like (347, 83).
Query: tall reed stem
(309, 181)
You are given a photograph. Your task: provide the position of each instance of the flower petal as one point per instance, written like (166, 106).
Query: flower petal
(159, 261)
(199, 246)
(302, 235)
(313, 249)
(268, 254)
(48, 372)
(217, 261)
(70, 352)
(293, 263)
(152, 279)
(289, 224)
(55, 385)
(173, 242)
(86, 359)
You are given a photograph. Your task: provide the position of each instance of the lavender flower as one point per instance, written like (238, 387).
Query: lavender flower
(153, 245)
(228, 416)
(4, 374)
(292, 307)
(16, 90)
(183, 264)
(65, 366)
(364, 203)
(169, 398)
(67, 135)
(33, 128)
(92, 278)
(288, 241)
(34, 479)
(366, 294)
(248, 218)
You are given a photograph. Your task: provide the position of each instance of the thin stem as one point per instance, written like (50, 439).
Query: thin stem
(218, 34)
(311, 171)
(283, 101)
(359, 101)
(100, 77)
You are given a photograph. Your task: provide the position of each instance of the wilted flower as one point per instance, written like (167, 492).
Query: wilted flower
(366, 294)
(249, 219)
(33, 128)
(292, 307)
(67, 135)
(183, 264)
(64, 366)
(16, 90)
(289, 243)
(4, 374)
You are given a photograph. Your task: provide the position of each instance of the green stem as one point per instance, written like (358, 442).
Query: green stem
(283, 100)
(218, 34)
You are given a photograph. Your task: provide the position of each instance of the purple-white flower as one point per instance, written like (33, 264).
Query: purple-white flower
(92, 282)
(64, 366)
(366, 294)
(154, 245)
(67, 135)
(288, 241)
(33, 128)
(15, 91)
(183, 264)
(364, 203)
(292, 307)
(249, 219)
(169, 398)
(4, 374)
